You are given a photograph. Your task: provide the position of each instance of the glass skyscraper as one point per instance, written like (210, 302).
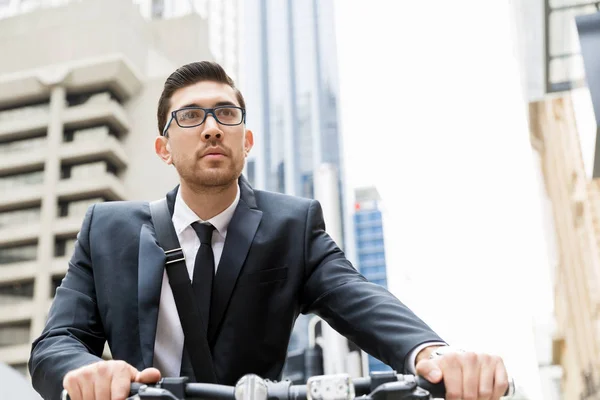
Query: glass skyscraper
(370, 247)
(289, 77)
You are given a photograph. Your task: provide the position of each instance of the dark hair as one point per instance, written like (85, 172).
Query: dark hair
(190, 74)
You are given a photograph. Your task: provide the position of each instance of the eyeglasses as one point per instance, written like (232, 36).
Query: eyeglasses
(190, 117)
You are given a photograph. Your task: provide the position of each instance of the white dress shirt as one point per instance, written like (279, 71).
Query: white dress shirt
(168, 345)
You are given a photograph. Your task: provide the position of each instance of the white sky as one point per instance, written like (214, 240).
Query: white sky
(450, 155)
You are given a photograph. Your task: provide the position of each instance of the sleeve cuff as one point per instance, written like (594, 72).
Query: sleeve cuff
(409, 364)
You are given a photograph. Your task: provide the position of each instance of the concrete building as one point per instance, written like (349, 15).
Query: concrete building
(77, 125)
(370, 247)
(575, 199)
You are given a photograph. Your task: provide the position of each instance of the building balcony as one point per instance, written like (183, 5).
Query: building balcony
(68, 226)
(112, 72)
(18, 271)
(18, 354)
(15, 159)
(24, 122)
(14, 311)
(106, 148)
(21, 197)
(106, 186)
(12, 235)
(98, 110)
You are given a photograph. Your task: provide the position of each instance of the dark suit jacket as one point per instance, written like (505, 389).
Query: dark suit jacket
(277, 262)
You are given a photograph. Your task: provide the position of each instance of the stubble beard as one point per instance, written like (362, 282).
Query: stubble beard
(216, 179)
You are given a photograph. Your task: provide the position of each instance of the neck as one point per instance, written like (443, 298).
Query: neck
(208, 202)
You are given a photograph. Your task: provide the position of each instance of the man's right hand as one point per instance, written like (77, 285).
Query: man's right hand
(106, 380)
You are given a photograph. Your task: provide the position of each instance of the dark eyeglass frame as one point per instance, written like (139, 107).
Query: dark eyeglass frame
(207, 112)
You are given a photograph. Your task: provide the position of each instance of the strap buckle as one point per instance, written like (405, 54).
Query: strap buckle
(174, 256)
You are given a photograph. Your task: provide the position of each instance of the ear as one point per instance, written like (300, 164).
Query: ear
(248, 142)
(162, 148)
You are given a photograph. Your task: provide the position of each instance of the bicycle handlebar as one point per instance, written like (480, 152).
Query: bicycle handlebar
(379, 386)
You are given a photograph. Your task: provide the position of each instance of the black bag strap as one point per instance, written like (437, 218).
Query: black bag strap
(187, 305)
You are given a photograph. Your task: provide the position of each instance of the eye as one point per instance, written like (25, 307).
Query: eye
(229, 115)
(190, 114)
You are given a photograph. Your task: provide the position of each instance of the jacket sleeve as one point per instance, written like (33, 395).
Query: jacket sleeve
(73, 335)
(366, 313)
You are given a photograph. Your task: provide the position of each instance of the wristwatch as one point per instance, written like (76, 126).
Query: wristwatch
(441, 351)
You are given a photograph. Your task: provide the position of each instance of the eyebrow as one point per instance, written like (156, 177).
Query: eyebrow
(218, 104)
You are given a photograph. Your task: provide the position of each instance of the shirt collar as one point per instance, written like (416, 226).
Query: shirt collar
(183, 216)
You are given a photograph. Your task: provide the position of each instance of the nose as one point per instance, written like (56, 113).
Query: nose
(211, 128)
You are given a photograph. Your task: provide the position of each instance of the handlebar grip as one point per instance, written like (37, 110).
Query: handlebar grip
(135, 387)
(438, 390)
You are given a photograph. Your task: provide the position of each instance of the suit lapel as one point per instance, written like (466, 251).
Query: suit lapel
(240, 234)
(151, 266)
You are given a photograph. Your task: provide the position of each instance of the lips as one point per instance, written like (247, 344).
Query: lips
(214, 152)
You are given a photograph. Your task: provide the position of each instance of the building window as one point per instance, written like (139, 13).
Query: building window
(64, 247)
(94, 134)
(371, 245)
(76, 99)
(55, 283)
(16, 181)
(19, 217)
(96, 169)
(21, 253)
(14, 333)
(15, 292)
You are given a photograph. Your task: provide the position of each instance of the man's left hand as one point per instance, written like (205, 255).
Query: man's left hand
(467, 376)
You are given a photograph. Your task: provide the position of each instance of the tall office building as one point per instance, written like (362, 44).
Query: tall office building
(370, 248)
(77, 126)
(291, 86)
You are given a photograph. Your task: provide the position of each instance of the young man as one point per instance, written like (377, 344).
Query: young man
(256, 259)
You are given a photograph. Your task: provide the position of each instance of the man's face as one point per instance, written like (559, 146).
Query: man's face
(211, 154)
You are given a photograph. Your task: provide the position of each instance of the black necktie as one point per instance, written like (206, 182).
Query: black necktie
(204, 272)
